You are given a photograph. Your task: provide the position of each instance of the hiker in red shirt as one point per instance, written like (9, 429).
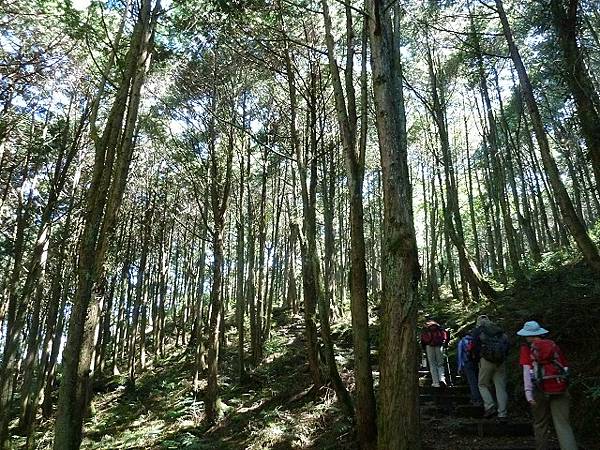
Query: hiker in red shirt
(545, 376)
(433, 339)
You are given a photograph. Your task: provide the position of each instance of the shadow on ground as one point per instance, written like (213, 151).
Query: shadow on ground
(274, 408)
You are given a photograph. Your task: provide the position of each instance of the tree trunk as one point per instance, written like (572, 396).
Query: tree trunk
(219, 196)
(111, 166)
(469, 272)
(15, 318)
(577, 77)
(398, 419)
(307, 270)
(355, 156)
(140, 290)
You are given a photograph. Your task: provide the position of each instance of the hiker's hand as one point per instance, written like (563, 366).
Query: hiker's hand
(532, 402)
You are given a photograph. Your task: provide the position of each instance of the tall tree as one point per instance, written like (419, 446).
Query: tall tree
(398, 417)
(354, 153)
(220, 188)
(111, 166)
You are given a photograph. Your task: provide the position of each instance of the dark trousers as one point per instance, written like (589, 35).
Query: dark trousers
(471, 371)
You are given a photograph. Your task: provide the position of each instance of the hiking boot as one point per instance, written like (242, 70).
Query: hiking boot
(435, 385)
(489, 413)
(443, 384)
(502, 419)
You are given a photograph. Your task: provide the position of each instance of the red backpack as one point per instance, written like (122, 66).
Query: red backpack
(549, 373)
(434, 335)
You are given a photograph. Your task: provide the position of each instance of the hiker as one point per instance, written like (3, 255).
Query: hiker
(468, 367)
(545, 377)
(490, 347)
(433, 339)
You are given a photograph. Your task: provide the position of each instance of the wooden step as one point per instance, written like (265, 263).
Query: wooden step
(445, 399)
(432, 410)
(510, 447)
(492, 427)
(448, 390)
(523, 446)
(469, 411)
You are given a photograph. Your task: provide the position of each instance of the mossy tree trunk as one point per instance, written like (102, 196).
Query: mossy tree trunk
(398, 415)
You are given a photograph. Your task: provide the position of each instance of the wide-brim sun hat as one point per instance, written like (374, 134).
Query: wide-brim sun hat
(532, 328)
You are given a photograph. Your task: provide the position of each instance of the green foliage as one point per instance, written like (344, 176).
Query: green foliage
(594, 232)
(594, 391)
(554, 260)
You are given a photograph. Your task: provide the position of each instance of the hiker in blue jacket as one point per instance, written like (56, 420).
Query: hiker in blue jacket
(468, 367)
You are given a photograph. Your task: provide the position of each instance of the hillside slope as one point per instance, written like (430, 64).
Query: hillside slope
(276, 409)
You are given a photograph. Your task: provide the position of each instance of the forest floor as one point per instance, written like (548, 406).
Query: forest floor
(276, 408)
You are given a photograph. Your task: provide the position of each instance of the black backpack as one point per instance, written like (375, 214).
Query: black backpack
(494, 344)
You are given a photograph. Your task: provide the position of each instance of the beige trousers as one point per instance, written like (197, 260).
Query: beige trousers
(553, 408)
(496, 373)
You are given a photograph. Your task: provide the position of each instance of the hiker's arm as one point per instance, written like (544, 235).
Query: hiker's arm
(459, 355)
(527, 383)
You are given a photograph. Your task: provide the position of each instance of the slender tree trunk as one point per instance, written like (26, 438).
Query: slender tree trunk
(212, 390)
(398, 418)
(219, 197)
(199, 348)
(354, 156)
(471, 199)
(140, 290)
(498, 174)
(111, 167)
(307, 270)
(469, 272)
(15, 318)
(240, 305)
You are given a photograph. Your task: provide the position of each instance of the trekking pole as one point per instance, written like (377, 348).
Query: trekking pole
(448, 368)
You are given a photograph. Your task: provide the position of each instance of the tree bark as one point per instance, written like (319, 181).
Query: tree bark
(355, 159)
(219, 197)
(398, 419)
